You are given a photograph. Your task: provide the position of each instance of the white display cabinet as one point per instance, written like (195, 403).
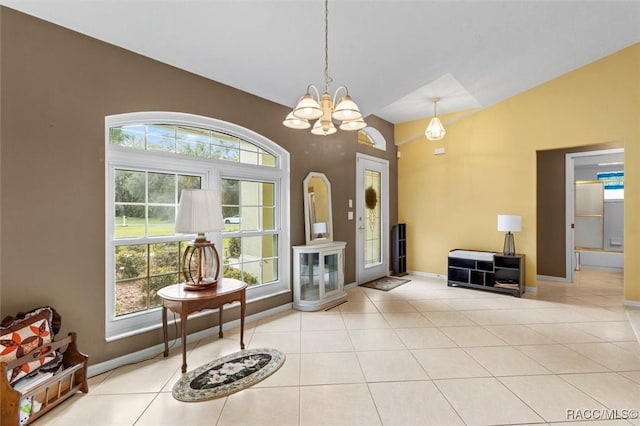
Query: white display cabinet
(318, 276)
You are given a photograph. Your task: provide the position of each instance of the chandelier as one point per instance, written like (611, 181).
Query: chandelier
(435, 130)
(324, 108)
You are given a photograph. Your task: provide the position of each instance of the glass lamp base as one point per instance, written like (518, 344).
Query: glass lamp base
(509, 248)
(200, 265)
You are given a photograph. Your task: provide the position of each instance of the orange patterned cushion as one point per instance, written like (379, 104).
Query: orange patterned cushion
(24, 336)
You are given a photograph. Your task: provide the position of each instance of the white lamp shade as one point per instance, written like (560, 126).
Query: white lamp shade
(346, 110)
(351, 125)
(307, 108)
(319, 227)
(294, 122)
(199, 211)
(435, 130)
(509, 223)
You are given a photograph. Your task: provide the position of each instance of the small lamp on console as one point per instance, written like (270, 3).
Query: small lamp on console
(319, 229)
(509, 223)
(199, 211)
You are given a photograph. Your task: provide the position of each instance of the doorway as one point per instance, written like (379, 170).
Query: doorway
(594, 210)
(372, 218)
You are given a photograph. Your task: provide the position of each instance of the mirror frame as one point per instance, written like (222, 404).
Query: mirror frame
(307, 198)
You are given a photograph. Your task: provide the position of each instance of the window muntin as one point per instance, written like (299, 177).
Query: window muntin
(145, 208)
(191, 141)
(146, 202)
(370, 136)
(143, 269)
(250, 244)
(365, 139)
(252, 259)
(248, 205)
(129, 151)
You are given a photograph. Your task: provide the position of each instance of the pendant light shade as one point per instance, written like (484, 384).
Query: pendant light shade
(352, 125)
(307, 108)
(346, 110)
(435, 130)
(294, 122)
(323, 128)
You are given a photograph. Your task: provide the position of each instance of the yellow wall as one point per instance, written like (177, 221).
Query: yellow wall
(452, 200)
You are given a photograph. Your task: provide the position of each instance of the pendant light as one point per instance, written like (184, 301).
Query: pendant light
(435, 130)
(325, 108)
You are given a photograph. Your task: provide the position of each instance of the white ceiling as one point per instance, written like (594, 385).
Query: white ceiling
(394, 56)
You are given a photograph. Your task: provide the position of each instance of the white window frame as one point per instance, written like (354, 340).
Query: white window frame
(211, 171)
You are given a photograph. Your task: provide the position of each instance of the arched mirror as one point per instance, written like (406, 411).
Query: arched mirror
(317, 209)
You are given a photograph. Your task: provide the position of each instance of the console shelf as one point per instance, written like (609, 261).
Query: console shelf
(486, 271)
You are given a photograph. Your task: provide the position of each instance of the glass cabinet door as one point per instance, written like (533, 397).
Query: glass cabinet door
(318, 276)
(331, 272)
(309, 276)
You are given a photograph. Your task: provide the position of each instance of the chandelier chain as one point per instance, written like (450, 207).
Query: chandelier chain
(327, 79)
(325, 109)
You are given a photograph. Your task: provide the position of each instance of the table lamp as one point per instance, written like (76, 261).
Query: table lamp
(319, 229)
(510, 224)
(200, 211)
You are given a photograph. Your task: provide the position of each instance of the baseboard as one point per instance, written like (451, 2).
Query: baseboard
(634, 319)
(428, 275)
(155, 350)
(551, 278)
(532, 290)
(350, 285)
(632, 303)
(602, 268)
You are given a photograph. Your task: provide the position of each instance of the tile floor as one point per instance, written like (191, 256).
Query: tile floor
(421, 354)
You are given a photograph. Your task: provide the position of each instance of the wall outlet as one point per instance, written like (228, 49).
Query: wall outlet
(350, 204)
(349, 215)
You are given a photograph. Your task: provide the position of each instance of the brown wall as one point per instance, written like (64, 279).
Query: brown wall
(551, 211)
(56, 88)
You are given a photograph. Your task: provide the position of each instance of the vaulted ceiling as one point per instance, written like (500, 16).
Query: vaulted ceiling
(394, 56)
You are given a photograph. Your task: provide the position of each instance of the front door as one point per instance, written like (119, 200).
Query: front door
(372, 218)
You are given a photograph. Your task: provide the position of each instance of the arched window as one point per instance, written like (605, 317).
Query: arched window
(372, 137)
(151, 157)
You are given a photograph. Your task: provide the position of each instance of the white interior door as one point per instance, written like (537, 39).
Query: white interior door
(372, 218)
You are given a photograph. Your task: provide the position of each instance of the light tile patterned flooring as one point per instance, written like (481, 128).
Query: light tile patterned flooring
(421, 354)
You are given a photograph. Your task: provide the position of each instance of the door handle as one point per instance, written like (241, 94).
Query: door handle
(361, 228)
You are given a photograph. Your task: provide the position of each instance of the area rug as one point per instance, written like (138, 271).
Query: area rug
(385, 283)
(227, 375)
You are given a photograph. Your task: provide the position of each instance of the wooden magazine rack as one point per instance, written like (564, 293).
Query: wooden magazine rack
(71, 378)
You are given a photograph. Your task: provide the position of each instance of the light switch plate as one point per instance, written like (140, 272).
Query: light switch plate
(350, 215)
(438, 151)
